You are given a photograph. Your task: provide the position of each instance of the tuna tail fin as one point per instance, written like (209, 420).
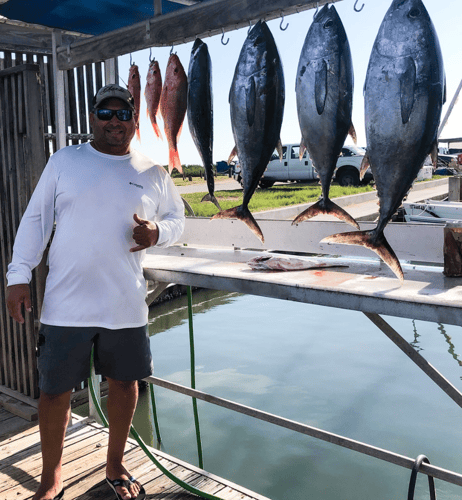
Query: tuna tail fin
(232, 155)
(375, 242)
(245, 216)
(327, 207)
(174, 161)
(279, 149)
(211, 197)
(188, 207)
(365, 164)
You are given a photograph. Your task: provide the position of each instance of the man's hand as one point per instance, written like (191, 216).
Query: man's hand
(145, 234)
(16, 295)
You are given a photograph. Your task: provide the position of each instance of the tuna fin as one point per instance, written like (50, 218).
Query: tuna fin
(375, 242)
(232, 155)
(211, 197)
(250, 101)
(320, 87)
(352, 133)
(279, 148)
(365, 164)
(245, 216)
(407, 80)
(174, 161)
(326, 207)
(445, 95)
(434, 153)
(188, 207)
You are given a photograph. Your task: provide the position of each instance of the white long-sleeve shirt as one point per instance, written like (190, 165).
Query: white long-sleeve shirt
(93, 279)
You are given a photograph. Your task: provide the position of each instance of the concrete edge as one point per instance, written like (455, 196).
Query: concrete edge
(342, 201)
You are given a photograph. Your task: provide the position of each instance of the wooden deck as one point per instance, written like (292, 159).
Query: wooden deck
(84, 466)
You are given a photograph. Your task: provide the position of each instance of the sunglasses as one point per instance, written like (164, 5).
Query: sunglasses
(124, 115)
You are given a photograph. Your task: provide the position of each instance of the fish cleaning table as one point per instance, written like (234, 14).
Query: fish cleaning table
(362, 285)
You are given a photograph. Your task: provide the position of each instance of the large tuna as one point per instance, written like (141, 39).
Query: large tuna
(173, 103)
(134, 87)
(152, 93)
(404, 94)
(200, 111)
(324, 91)
(257, 105)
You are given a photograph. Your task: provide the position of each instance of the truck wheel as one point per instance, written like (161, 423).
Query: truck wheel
(348, 176)
(266, 184)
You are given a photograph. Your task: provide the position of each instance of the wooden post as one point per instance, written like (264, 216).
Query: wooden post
(453, 250)
(60, 104)
(455, 187)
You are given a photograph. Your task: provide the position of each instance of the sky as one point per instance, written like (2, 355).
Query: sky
(361, 28)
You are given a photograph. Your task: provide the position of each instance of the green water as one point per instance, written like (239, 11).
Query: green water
(326, 367)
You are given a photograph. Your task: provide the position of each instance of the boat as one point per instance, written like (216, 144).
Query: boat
(433, 211)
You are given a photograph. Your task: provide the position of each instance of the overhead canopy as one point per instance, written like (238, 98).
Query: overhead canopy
(98, 30)
(91, 17)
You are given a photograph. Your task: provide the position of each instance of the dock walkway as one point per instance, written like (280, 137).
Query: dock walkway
(84, 464)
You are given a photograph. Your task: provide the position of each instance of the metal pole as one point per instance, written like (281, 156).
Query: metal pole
(449, 111)
(419, 360)
(366, 449)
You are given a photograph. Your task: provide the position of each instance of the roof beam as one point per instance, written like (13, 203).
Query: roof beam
(22, 37)
(201, 20)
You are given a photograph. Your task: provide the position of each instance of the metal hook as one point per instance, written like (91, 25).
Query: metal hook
(150, 54)
(250, 27)
(171, 50)
(282, 20)
(131, 63)
(317, 10)
(358, 10)
(223, 36)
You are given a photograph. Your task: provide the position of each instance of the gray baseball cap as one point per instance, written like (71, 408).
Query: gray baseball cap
(110, 91)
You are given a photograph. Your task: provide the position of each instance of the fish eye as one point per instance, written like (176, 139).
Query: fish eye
(413, 13)
(328, 24)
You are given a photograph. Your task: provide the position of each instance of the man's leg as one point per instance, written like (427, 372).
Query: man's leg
(54, 412)
(121, 404)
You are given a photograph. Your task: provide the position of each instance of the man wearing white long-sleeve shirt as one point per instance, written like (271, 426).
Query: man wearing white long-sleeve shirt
(109, 204)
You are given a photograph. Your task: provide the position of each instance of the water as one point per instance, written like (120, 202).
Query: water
(326, 367)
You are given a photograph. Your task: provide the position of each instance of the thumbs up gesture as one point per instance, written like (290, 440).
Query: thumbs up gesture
(145, 234)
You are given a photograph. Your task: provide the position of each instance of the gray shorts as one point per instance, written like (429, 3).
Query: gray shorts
(63, 355)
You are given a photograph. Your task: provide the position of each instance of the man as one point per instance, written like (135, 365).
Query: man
(102, 196)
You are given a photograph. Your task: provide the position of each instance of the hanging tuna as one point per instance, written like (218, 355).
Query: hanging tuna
(404, 94)
(324, 93)
(257, 105)
(200, 111)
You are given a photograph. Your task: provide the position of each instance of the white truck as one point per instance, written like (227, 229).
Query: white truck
(291, 168)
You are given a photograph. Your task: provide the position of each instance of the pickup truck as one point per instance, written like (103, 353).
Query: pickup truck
(291, 168)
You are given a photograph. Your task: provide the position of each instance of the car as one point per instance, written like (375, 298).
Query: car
(445, 171)
(291, 168)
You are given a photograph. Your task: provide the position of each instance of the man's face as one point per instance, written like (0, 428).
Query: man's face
(113, 136)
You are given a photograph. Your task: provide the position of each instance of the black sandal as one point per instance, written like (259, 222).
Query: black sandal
(125, 483)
